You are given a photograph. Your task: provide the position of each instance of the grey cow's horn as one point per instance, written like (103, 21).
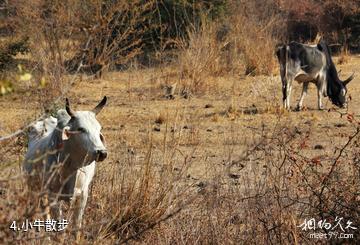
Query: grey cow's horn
(349, 79)
(68, 109)
(99, 107)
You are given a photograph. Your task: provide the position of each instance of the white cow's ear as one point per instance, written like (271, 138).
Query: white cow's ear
(65, 133)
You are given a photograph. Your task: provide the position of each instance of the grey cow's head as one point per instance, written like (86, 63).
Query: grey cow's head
(336, 88)
(337, 91)
(82, 134)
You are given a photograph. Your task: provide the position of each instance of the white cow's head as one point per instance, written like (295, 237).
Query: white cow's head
(82, 135)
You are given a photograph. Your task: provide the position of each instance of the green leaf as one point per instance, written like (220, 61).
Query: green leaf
(20, 68)
(2, 90)
(25, 77)
(42, 82)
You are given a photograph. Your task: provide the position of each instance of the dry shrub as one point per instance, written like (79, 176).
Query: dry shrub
(200, 57)
(274, 186)
(231, 45)
(288, 187)
(113, 33)
(45, 24)
(253, 35)
(248, 40)
(138, 194)
(132, 196)
(295, 187)
(18, 203)
(160, 118)
(264, 90)
(344, 56)
(262, 195)
(10, 48)
(77, 36)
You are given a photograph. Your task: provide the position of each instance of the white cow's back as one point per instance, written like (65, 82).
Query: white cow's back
(39, 139)
(41, 129)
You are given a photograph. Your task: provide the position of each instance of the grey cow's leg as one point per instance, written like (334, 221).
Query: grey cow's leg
(284, 91)
(320, 91)
(288, 93)
(303, 94)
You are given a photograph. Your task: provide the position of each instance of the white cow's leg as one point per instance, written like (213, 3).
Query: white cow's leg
(303, 94)
(81, 189)
(79, 200)
(79, 204)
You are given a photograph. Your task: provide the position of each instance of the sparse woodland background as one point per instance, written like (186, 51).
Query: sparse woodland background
(267, 178)
(110, 34)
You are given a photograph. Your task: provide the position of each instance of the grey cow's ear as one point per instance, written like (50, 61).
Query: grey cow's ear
(101, 105)
(68, 109)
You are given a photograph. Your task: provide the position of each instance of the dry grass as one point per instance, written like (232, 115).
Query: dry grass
(200, 58)
(218, 48)
(344, 56)
(225, 166)
(160, 119)
(248, 38)
(213, 174)
(138, 204)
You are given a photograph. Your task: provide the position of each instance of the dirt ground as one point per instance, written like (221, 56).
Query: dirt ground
(230, 110)
(213, 129)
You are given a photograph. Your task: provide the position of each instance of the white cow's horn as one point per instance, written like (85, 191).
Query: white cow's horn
(68, 109)
(99, 107)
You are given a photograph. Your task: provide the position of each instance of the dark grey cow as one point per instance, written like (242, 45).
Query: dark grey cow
(310, 63)
(61, 157)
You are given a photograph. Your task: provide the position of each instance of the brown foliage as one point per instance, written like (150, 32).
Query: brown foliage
(112, 34)
(308, 17)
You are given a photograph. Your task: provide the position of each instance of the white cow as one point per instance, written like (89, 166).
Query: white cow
(61, 158)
